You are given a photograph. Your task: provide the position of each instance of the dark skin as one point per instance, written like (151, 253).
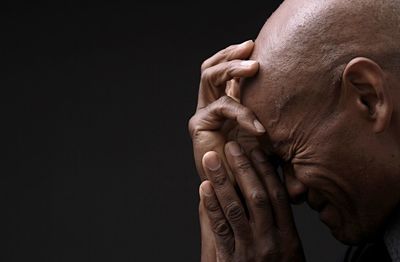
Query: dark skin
(337, 140)
(218, 113)
(266, 232)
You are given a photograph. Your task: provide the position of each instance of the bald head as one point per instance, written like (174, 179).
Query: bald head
(305, 46)
(321, 36)
(325, 91)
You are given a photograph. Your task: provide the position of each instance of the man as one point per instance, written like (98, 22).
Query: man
(315, 95)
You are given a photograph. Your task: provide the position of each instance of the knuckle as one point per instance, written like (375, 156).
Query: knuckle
(204, 65)
(213, 76)
(259, 198)
(221, 228)
(191, 124)
(223, 101)
(211, 205)
(234, 212)
(206, 75)
(196, 136)
(242, 166)
(267, 170)
(218, 178)
(230, 67)
(194, 128)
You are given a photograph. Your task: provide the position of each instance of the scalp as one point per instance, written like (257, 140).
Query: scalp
(313, 40)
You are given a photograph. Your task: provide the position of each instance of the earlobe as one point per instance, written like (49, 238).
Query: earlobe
(365, 79)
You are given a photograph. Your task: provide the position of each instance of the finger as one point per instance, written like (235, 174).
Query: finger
(277, 193)
(214, 79)
(222, 232)
(204, 127)
(240, 51)
(227, 198)
(214, 115)
(233, 89)
(254, 193)
(208, 253)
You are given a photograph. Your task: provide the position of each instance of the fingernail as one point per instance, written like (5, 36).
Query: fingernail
(247, 63)
(235, 149)
(245, 43)
(206, 189)
(257, 155)
(259, 127)
(212, 162)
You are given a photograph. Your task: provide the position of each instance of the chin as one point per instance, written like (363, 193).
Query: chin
(350, 229)
(355, 235)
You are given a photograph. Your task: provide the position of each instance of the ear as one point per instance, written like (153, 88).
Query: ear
(365, 79)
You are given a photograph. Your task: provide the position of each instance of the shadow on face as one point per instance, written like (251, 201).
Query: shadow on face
(334, 133)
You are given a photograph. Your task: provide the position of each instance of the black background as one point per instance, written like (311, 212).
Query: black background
(96, 100)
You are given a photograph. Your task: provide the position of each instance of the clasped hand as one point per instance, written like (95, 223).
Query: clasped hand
(244, 209)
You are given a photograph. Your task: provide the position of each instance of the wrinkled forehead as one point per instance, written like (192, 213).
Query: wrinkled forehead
(270, 93)
(263, 93)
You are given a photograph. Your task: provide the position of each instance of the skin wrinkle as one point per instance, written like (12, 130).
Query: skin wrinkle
(330, 19)
(299, 97)
(308, 162)
(326, 93)
(323, 92)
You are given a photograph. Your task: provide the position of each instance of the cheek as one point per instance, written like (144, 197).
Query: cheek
(327, 182)
(328, 165)
(356, 209)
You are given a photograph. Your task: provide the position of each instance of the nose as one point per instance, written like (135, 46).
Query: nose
(297, 190)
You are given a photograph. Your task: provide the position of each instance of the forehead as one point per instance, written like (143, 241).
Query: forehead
(266, 100)
(270, 93)
(266, 94)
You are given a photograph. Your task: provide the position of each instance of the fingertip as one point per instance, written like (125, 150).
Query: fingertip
(258, 126)
(245, 48)
(248, 63)
(206, 189)
(246, 43)
(200, 191)
(211, 161)
(210, 154)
